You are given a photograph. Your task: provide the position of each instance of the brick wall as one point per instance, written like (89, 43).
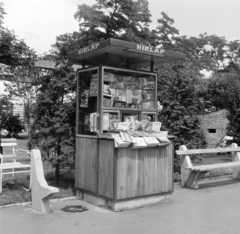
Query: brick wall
(214, 126)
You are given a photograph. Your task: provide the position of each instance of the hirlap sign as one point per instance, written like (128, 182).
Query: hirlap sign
(150, 49)
(88, 48)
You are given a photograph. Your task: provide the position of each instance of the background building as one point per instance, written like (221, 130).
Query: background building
(214, 126)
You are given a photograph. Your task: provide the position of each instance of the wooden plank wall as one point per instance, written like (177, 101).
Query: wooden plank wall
(106, 168)
(144, 172)
(86, 164)
(130, 173)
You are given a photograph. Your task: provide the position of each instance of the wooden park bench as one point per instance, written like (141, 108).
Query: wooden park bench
(190, 174)
(41, 191)
(8, 160)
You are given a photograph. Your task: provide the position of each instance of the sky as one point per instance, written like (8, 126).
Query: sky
(39, 22)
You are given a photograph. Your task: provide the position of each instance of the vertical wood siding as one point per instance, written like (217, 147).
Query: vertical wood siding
(144, 172)
(106, 165)
(86, 164)
(121, 173)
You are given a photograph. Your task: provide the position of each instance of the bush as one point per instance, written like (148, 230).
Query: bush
(12, 123)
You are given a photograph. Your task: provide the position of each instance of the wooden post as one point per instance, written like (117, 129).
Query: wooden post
(184, 162)
(235, 158)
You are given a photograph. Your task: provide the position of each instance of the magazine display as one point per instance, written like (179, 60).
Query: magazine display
(118, 142)
(140, 139)
(141, 143)
(151, 141)
(128, 91)
(93, 90)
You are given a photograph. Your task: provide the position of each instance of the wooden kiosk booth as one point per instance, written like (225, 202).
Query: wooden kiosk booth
(123, 160)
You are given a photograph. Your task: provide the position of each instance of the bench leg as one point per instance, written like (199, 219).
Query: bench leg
(39, 188)
(192, 181)
(185, 161)
(0, 181)
(236, 158)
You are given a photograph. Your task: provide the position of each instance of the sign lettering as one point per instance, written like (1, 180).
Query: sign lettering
(88, 48)
(150, 49)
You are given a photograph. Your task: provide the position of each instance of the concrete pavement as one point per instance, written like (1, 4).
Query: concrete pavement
(209, 210)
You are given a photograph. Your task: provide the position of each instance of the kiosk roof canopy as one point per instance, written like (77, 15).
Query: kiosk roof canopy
(120, 53)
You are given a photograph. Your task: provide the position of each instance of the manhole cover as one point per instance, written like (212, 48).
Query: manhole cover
(74, 209)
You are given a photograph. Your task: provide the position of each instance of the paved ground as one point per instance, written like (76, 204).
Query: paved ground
(209, 210)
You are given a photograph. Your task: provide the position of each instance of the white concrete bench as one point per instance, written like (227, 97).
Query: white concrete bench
(41, 191)
(8, 160)
(190, 174)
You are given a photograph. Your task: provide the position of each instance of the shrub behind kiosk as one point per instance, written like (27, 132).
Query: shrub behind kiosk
(111, 87)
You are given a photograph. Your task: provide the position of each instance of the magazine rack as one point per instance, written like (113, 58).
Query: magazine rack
(115, 85)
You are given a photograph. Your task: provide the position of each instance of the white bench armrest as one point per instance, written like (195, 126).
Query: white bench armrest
(22, 150)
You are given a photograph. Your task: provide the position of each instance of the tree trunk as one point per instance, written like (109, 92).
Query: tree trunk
(57, 168)
(57, 174)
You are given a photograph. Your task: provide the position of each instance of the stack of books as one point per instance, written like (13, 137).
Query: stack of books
(151, 141)
(119, 143)
(140, 143)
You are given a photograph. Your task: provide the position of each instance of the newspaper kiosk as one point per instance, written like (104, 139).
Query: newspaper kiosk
(123, 159)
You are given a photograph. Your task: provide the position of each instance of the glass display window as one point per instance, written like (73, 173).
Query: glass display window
(87, 101)
(107, 96)
(125, 89)
(148, 116)
(110, 120)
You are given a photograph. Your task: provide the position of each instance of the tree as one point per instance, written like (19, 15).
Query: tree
(26, 94)
(177, 87)
(11, 123)
(16, 53)
(120, 19)
(65, 44)
(53, 129)
(224, 93)
(18, 60)
(181, 106)
(2, 13)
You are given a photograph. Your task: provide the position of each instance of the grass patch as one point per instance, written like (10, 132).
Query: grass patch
(13, 189)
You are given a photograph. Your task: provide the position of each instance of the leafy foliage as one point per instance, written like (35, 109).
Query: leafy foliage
(224, 93)
(8, 121)
(12, 123)
(181, 106)
(53, 129)
(120, 19)
(16, 53)
(24, 92)
(2, 13)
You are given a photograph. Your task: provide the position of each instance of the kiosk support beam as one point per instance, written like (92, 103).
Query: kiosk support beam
(152, 66)
(106, 58)
(128, 63)
(83, 63)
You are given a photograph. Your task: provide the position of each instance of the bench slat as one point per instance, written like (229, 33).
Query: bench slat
(7, 156)
(13, 166)
(214, 166)
(8, 140)
(207, 151)
(8, 144)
